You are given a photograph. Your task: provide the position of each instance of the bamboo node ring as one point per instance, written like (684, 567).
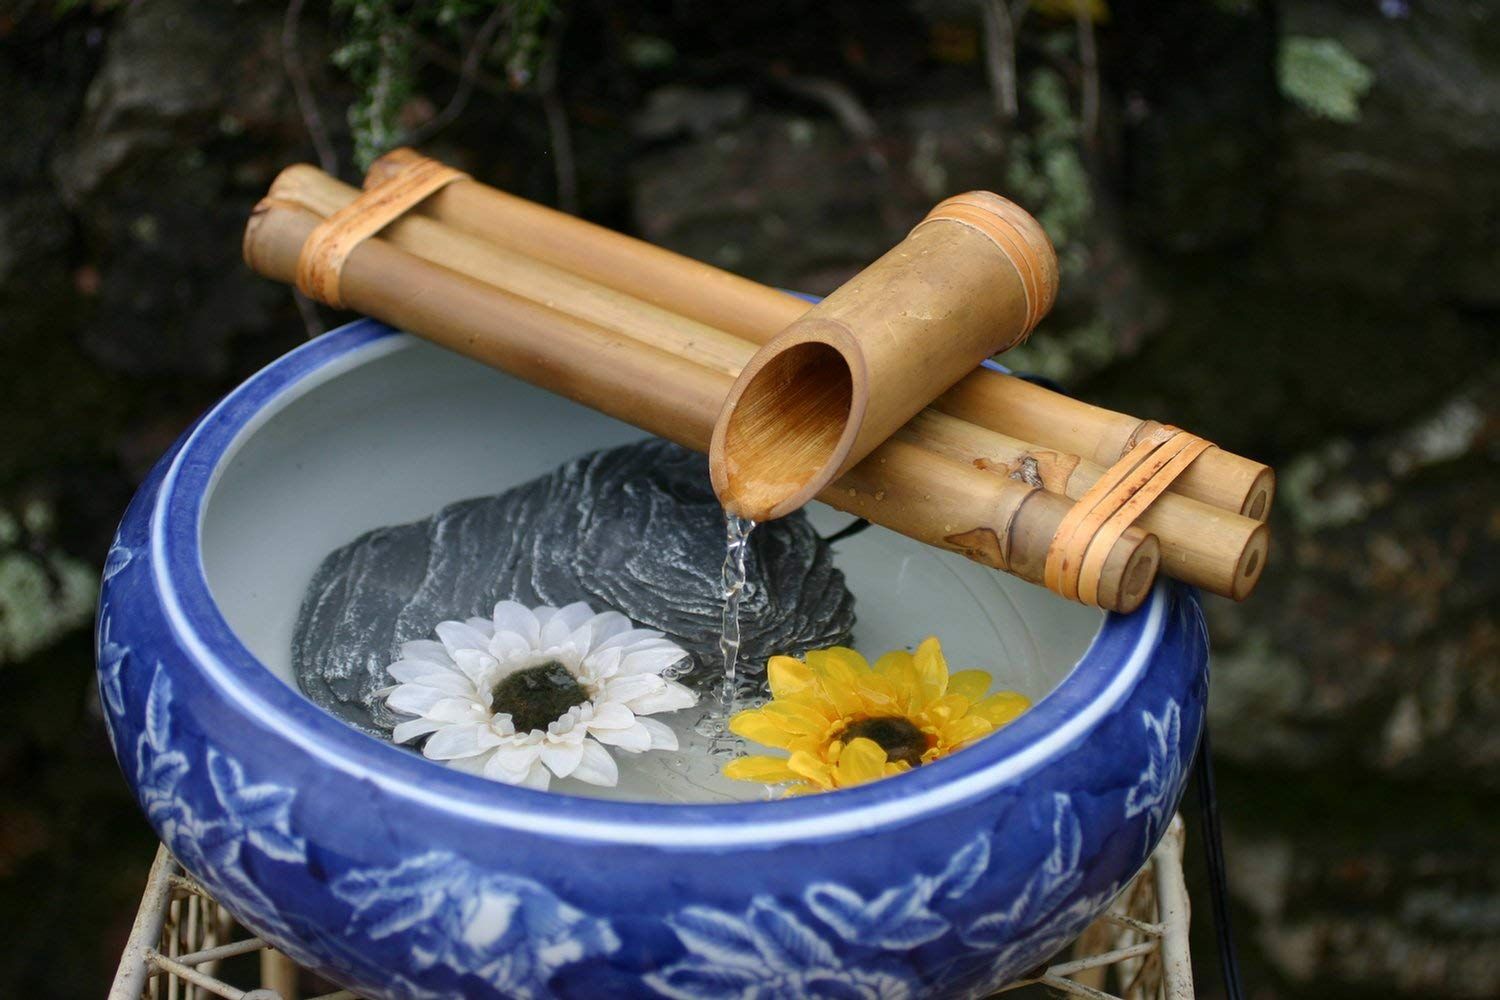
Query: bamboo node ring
(1018, 236)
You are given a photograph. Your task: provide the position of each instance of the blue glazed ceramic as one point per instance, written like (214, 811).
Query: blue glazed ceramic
(399, 878)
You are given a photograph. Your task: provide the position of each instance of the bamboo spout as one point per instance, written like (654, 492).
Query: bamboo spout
(971, 280)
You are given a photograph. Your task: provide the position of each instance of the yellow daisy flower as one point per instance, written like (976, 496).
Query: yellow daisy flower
(844, 723)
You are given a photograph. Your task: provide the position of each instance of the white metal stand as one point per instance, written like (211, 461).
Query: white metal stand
(1138, 950)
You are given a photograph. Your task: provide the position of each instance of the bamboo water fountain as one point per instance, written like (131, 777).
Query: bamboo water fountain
(313, 828)
(870, 401)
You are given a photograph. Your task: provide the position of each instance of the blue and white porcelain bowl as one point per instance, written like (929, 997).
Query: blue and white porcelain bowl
(399, 878)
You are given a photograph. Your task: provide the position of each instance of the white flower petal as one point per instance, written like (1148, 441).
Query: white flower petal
(471, 765)
(634, 737)
(574, 615)
(517, 619)
(609, 624)
(670, 698)
(611, 715)
(426, 675)
(477, 665)
(415, 699)
(624, 640)
(513, 759)
(663, 737)
(562, 758)
(651, 659)
(428, 650)
(456, 710)
(459, 741)
(597, 766)
(409, 730)
(460, 635)
(511, 646)
(632, 686)
(538, 778)
(601, 663)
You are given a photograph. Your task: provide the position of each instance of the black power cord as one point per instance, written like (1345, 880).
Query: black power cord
(1218, 876)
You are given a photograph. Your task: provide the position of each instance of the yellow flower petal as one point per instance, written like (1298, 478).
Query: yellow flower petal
(963, 731)
(944, 709)
(807, 766)
(755, 725)
(796, 717)
(788, 675)
(840, 679)
(970, 684)
(1002, 707)
(768, 770)
(860, 761)
(932, 670)
(900, 669)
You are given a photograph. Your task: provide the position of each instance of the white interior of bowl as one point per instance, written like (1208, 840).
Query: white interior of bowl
(397, 429)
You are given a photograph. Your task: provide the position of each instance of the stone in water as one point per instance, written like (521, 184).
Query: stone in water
(636, 529)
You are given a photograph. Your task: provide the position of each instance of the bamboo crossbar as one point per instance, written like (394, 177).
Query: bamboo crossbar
(757, 313)
(999, 521)
(1204, 545)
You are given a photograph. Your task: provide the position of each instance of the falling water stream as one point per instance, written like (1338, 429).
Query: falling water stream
(733, 581)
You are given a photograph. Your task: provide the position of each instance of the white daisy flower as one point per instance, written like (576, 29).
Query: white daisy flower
(533, 693)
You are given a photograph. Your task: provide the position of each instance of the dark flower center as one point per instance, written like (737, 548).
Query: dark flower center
(537, 696)
(898, 737)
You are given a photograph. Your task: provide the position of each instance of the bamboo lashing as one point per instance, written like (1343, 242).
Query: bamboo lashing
(756, 313)
(999, 521)
(1206, 546)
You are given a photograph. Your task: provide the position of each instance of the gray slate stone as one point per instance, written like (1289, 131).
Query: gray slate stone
(635, 529)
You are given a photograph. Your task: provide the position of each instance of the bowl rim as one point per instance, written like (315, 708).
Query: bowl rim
(1109, 668)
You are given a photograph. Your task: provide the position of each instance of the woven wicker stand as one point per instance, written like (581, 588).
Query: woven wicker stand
(181, 938)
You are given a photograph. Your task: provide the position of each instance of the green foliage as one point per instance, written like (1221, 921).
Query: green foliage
(1322, 77)
(380, 54)
(1046, 170)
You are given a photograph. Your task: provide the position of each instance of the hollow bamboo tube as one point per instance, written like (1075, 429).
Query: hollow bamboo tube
(994, 520)
(1030, 412)
(1207, 546)
(970, 281)
(1200, 544)
(757, 313)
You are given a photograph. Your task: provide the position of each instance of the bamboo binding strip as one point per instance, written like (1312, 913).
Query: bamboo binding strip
(1075, 557)
(1203, 545)
(323, 255)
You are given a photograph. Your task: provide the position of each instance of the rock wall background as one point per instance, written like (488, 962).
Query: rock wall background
(1280, 223)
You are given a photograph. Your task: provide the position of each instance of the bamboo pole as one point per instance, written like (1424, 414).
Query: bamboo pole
(994, 520)
(1200, 544)
(757, 313)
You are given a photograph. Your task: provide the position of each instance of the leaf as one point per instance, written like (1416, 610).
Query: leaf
(119, 557)
(718, 937)
(786, 942)
(971, 862)
(691, 981)
(839, 907)
(159, 710)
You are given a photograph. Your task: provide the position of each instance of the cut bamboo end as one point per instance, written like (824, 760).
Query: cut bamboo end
(789, 422)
